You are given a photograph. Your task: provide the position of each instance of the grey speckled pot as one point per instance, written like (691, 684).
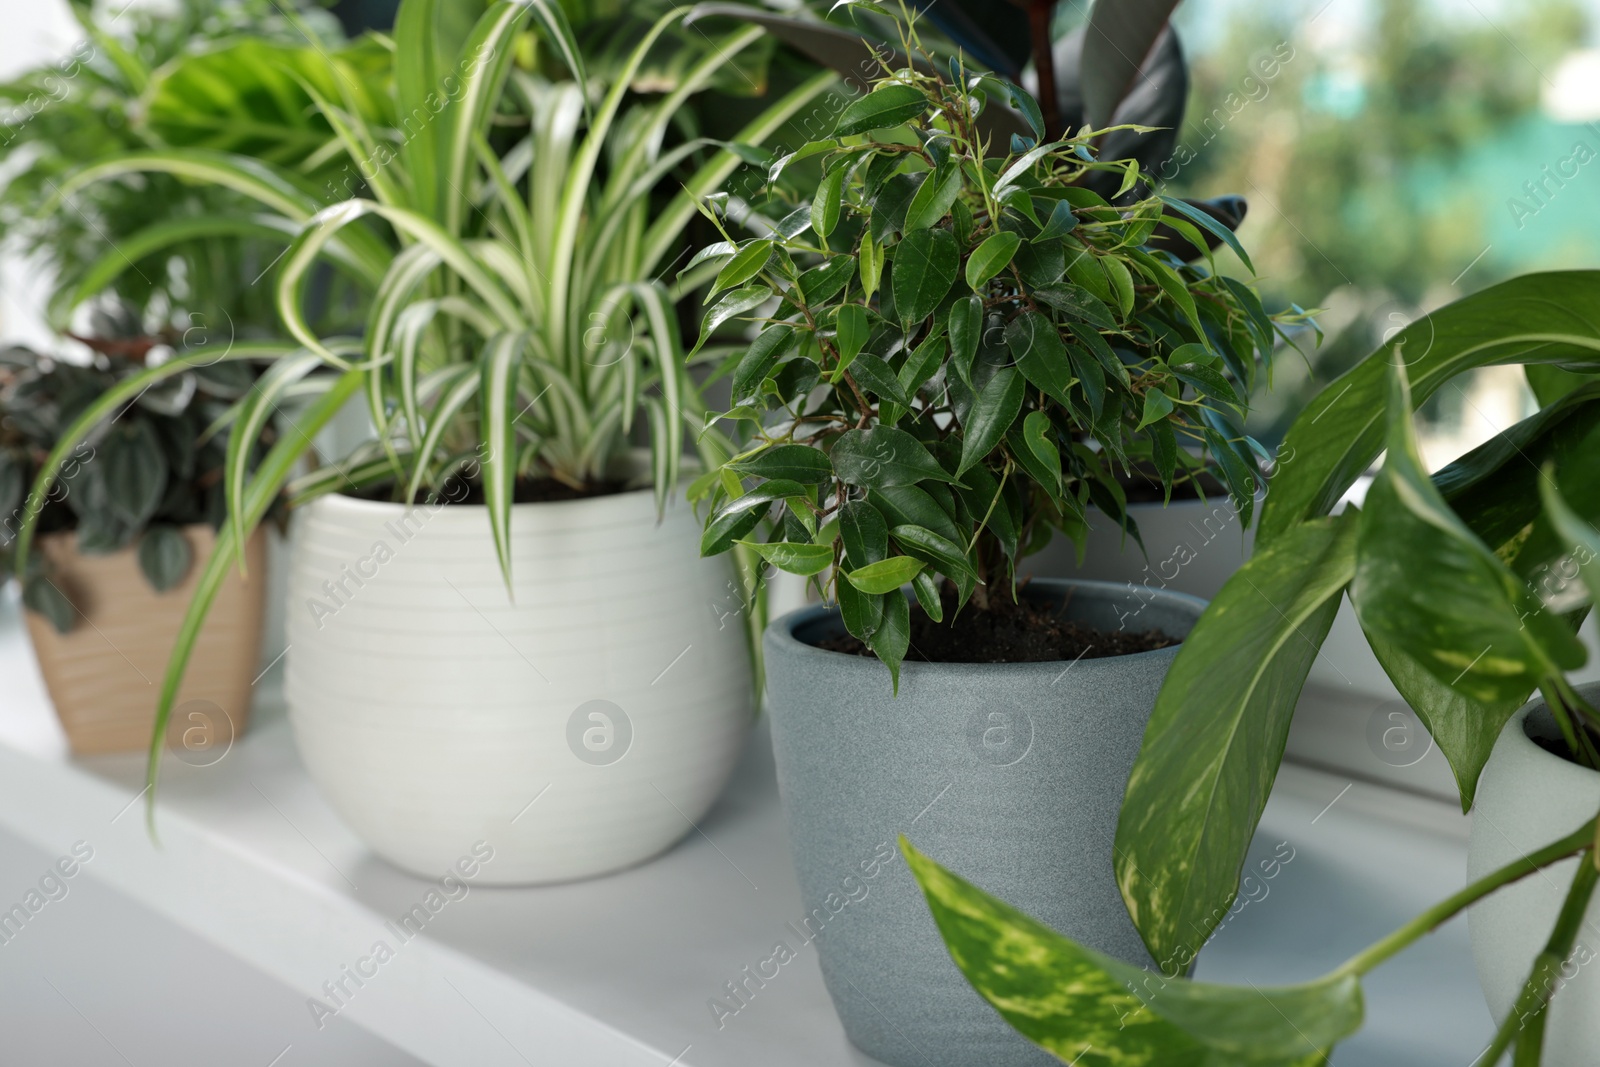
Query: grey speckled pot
(1009, 774)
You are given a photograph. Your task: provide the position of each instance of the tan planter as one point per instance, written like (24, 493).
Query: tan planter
(105, 675)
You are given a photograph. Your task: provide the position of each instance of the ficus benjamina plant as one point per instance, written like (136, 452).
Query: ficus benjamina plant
(1469, 583)
(960, 349)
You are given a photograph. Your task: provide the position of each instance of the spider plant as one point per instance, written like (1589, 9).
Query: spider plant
(512, 230)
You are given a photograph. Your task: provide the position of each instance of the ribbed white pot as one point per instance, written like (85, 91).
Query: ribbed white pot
(579, 725)
(1526, 799)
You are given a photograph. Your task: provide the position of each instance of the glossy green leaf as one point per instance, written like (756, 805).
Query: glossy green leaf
(828, 203)
(1157, 406)
(926, 587)
(1536, 319)
(886, 106)
(879, 379)
(862, 614)
(933, 199)
(852, 332)
(925, 266)
(758, 360)
(731, 306)
(991, 257)
(935, 550)
(996, 408)
(886, 575)
(1210, 225)
(884, 456)
(1094, 1011)
(870, 266)
(1039, 435)
(1215, 738)
(1427, 586)
(966, 330)
(865, 534)
(912, 505)
(795, 463)
(746, 264)
(1208, 383)
(1078, 302)
(796, 558)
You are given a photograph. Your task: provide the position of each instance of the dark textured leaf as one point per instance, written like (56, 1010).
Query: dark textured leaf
(164, 556)
(1078, 302)
(934, 198)
(42, 595)
(875, 376)
(135, 472)
(966, 329)
(911, 505)
(862, 614)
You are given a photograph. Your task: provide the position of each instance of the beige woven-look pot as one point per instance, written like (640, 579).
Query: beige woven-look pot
(104, 676)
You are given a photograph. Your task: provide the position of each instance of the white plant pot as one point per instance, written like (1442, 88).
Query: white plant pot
(1190, 546)
(1526, 799)
(578, 727)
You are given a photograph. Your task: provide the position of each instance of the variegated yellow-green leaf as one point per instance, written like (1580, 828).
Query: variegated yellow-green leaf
(1095, 1011)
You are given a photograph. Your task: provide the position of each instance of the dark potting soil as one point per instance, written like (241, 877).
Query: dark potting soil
(526, 491)
(1022, 631)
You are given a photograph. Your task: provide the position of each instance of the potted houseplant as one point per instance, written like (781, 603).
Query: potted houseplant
(136, 507)
(1469, 584)
(515, 346)
(927, 397)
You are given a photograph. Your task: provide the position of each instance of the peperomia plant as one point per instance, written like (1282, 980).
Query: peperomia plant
(154, 469)
(959, 349)
(1469, 583)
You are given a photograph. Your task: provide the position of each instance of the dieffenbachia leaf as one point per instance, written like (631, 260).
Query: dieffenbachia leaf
(1094, 1011)
(1536, 319)
(1426, 585)
(1216, 736)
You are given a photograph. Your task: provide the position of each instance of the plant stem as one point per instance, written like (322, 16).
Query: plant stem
(1429, 920)
(1532, 1007)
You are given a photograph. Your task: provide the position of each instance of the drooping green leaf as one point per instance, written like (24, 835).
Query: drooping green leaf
(927, 590)
(1090, 1009)
(886, 106)
(1430, 588)
(731, 306)
(852, 332)
(1210, 225)
(1035, 344)
(966, 329)
(996, 408)
(893, 636)
(933, 549)
(1215, 738)
(865, 534)
(1157, 406)
(883, 456)
(1078, 302)
(862, 614)
(1039, 435)
(925, 266)
(933, 199)
(878, 378)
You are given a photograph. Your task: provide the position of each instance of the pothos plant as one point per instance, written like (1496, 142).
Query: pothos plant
(959, 348)
(1468, 582)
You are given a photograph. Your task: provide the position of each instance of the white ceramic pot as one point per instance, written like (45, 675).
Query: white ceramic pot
(1190, 546)
(1526, 799)
(578, 726)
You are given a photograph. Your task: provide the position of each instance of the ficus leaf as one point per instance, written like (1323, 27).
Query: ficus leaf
(886, 575)
(886, 106)
(991, 257)
(883, 456)
(925, 265)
